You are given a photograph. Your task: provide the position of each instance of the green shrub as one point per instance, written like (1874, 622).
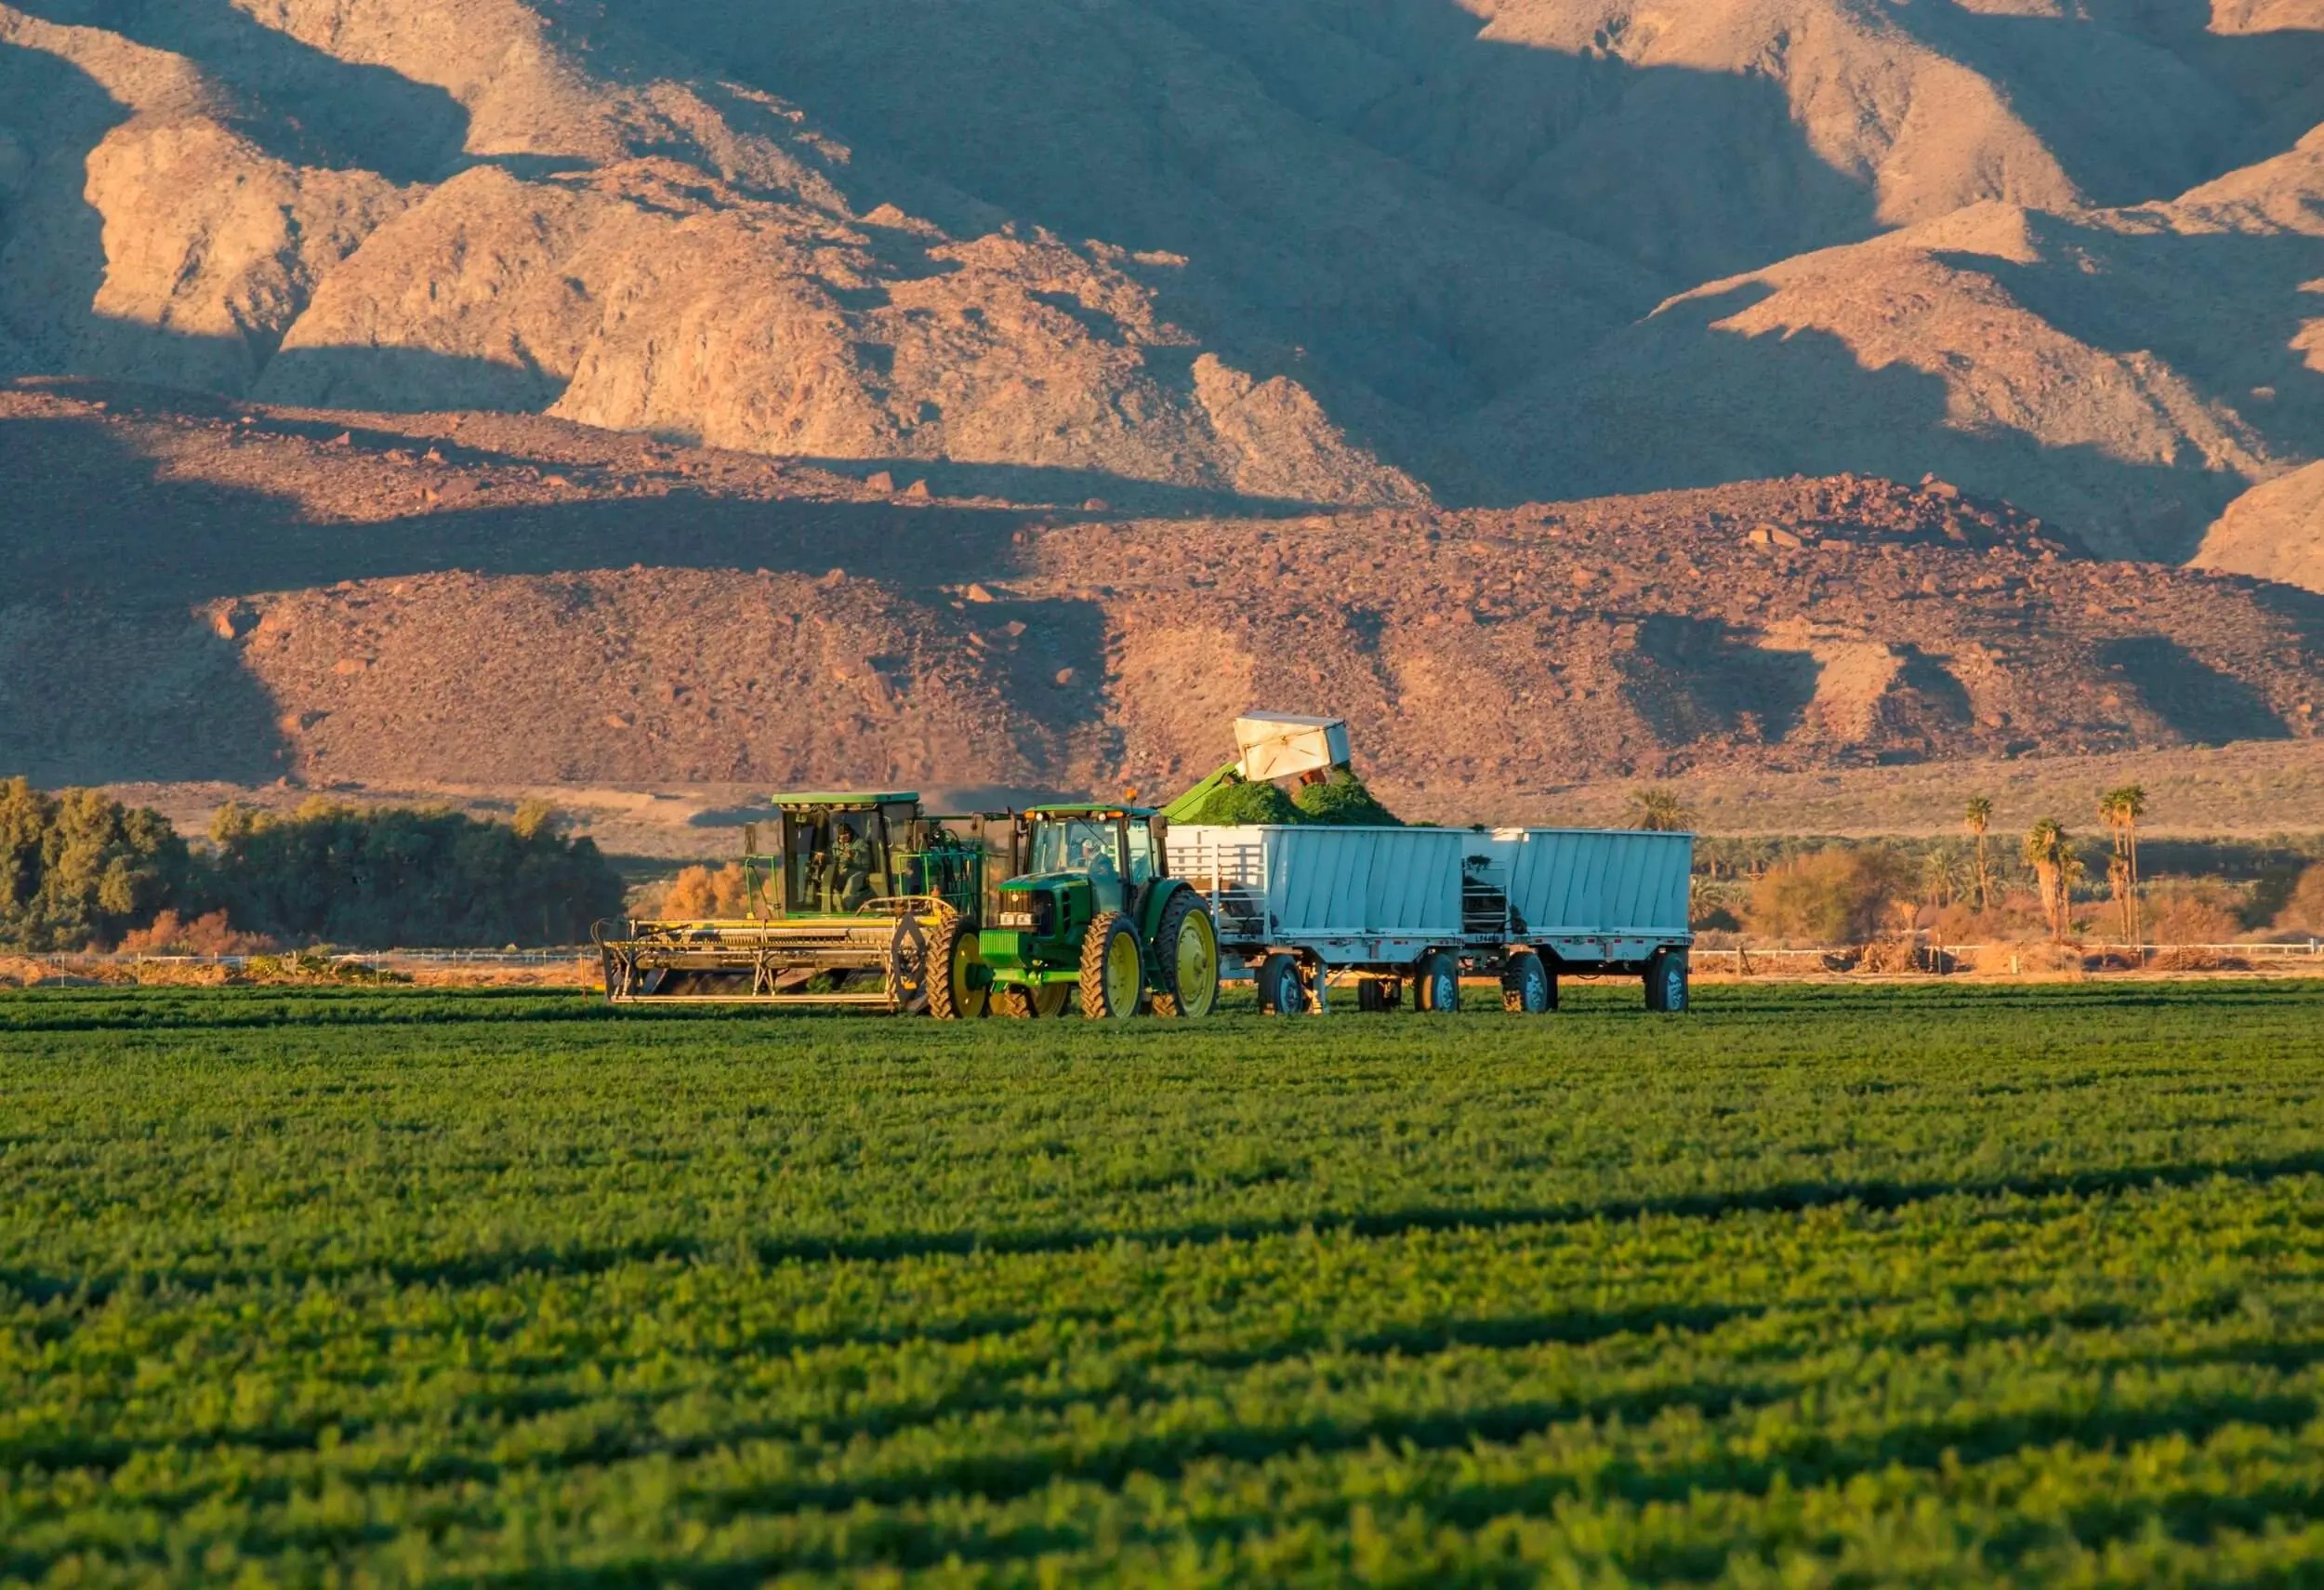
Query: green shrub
(372, 878)
(79, 869)
(1835, 896)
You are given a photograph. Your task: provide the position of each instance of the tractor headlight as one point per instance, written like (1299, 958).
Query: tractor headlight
(1016, 920)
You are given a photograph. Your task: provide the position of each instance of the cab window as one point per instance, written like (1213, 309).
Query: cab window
(1141, 856)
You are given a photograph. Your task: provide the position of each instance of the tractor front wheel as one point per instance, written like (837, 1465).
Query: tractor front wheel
(1022, 1003)
(954, 955)
(1186, 953)
(1113, 969)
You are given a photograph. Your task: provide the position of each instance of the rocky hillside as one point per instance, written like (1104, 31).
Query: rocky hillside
(1483, 251)
(248, 593)
(635, 392)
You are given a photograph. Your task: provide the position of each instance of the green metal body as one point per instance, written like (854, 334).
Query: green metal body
(831, 916)
(1035, 931)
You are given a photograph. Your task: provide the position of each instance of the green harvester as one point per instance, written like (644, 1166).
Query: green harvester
(854, 898)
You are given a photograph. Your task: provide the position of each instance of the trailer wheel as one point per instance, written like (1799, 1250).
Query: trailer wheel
(1187, 952)
(1113, 968)
(1667, 981)
(1280, 991)
(1436, 983)
(1527, 986)
(953, 957)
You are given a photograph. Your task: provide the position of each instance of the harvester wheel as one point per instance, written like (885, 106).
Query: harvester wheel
(908, 962)
(1187, 952)
(953, 954)
(1113, 968)
(1020, 1003)
(1436, 983)
(1526, 984)
(1280, 991)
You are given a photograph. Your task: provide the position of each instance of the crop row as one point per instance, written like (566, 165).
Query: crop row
(1813, 1286)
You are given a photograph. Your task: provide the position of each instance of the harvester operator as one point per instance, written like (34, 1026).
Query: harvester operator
(851, 869)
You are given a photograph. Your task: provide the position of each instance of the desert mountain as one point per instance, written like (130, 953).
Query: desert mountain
(1239, 344)
(1285, 249)
(513, 600)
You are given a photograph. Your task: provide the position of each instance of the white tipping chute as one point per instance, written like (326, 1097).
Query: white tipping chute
(1276, 745)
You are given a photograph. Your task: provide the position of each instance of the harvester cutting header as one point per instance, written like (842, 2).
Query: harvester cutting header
(866, 899)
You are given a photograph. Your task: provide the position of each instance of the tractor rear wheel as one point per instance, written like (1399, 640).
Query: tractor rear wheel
(1186, 953)
(954, 955)
(1113, 968)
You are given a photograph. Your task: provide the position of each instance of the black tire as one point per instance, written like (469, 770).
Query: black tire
(951, 950)
(908, 962)
(1667, 981)
(1436, 983)
(1176, 960)
(1113, 977)
(1527, 986)
(1016, 1003)
(1280, 991)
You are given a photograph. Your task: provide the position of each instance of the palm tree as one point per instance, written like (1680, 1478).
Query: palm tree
(1659, 811)
(2050, 853)
(1977, 818)
(1940, 876)
(2121, 810)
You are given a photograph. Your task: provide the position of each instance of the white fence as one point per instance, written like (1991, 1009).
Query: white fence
(1748, 960)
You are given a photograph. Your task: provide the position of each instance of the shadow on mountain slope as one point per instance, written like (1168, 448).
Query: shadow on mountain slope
(298, 103)
(2234, 340)
(1398, 283)
(92, 520)
(1682, 401)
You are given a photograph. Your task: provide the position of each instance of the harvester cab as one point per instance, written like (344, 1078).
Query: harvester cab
(1096, 911)
(852, 899)
(845, 854)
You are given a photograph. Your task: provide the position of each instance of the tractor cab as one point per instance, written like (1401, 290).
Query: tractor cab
(1114, 849)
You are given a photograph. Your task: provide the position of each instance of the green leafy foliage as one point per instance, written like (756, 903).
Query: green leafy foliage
(377, 877)
(1815, 1286)
(1833, 896)
(78, 869)
(1242, 802)
(1342, 798)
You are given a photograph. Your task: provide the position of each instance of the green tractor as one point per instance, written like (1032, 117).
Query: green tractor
(1097, 911)
(861, 899)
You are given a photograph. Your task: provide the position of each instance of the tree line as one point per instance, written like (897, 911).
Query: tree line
(79, 869)
(2048, 881)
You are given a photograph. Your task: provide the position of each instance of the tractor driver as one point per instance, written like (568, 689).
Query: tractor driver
(1106, 878)
(851, 869)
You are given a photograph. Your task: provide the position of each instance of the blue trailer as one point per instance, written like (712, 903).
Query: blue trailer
(1305, 908)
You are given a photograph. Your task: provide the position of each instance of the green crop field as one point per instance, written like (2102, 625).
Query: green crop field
(1814, 1285)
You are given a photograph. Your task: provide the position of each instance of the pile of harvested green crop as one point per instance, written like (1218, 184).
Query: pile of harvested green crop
(1344, 800)
(1237, 804)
